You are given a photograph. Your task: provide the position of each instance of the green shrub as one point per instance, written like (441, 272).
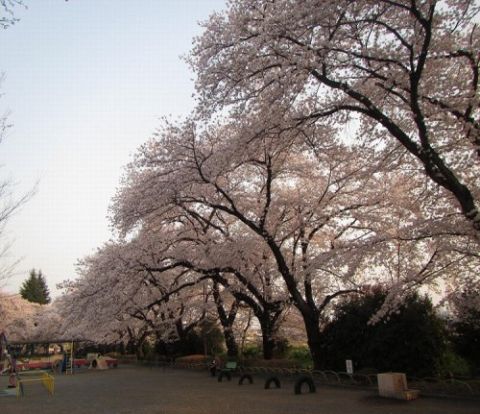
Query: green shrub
(252, 351)
(451, 364)
(272, 363)
(410, 340)
(301, 355)
(465, 327)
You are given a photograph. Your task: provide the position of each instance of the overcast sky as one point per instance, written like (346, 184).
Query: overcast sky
(86, 82)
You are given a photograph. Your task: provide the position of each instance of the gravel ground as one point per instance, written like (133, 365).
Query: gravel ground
(140, 390)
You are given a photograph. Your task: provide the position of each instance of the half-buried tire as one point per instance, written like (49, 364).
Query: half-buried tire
(245, 377)
(226, 374)
(269, 381)
(304, 380)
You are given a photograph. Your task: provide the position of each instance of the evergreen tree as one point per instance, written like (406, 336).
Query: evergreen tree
(35, 288)
(411, 340)
(465, 327)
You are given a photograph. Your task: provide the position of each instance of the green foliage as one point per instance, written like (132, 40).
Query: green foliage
(465, 329)
(35, 289)
(451, 364)
(252, 351)
(466, 340)
(301, 355)
(293, 356)
(280, 349)
(411, 340)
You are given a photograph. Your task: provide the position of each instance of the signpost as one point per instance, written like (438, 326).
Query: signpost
(349, 365)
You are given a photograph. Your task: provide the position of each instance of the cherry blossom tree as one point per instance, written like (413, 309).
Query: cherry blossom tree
(340, 149)
(118, 298)
(18, 317)
(227, 318)
(225, 264)
(315, 214)
(103, 304)
(283, 221)
(88, 312)
(402, 74)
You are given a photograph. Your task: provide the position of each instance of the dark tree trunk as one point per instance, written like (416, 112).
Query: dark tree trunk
(268, 347)
(268, 333)
(314, 339)
(230, 343)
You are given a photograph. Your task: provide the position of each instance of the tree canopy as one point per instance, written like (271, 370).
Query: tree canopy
(406, 72)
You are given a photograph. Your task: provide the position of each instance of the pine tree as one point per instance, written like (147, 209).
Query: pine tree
(35, 288)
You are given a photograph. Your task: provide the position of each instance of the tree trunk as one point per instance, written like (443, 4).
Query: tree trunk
(226, 320)
(139, 350)
(268, 340)
(231, 344)
(245, 331)
(314, 340)
(268, 347)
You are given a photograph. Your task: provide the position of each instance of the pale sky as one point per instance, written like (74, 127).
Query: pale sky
(86, 82)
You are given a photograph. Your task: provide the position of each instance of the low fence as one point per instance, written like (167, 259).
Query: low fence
(447, 386)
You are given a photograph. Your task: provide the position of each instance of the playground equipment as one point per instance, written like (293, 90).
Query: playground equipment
(68, 361)
(97, 361)
(29, 377)
(40, 370)
(61, 359)
(57, 355)
(8, 363)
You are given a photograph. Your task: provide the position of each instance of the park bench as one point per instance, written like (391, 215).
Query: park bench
(227, 370)
(230, 366)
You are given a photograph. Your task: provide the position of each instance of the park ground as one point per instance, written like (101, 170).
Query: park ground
(130, 389)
